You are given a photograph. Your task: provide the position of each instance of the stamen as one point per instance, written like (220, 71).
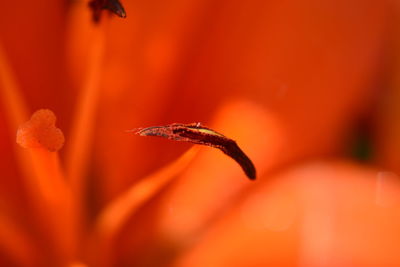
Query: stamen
(194, 133)
(116, 214)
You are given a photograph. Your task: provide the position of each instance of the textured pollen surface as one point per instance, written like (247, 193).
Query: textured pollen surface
(41, 132)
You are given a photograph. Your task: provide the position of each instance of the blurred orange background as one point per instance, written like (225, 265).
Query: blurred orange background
(310, 90)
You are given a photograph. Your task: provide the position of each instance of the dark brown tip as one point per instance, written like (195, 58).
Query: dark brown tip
(197, 134)
(114, 6)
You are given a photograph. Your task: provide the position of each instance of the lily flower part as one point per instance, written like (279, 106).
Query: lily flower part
(197, 134)
(299, 85)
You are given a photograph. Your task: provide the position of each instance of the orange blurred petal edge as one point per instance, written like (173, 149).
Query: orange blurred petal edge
(16, 243)
(116, 214)
(83, 124)
(11, 94)
(314, 214)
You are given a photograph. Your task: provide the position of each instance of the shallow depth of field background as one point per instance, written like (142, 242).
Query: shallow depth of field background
(309, 89)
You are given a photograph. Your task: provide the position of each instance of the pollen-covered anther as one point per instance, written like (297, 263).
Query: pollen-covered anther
(41, 132)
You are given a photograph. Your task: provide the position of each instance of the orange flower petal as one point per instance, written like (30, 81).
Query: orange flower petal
(16, 242)
(147, 52)
(77, 264)
(83, 125)
(387, 129)
(318, 214)
(13, 101)
(33, 37)
(13, 112)
(116, 214)
(213, 180)
(387, 118)
(181, 61)
(205, 189)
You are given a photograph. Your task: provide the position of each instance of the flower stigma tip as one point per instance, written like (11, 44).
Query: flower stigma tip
(40, 132)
